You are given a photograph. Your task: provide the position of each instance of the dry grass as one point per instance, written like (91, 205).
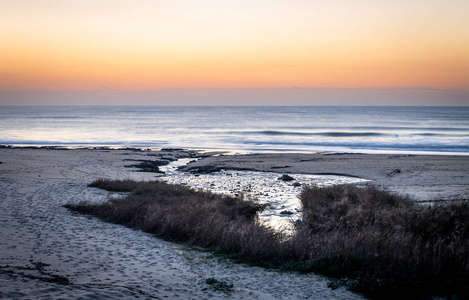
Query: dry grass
(177, 213)
(390, 246)
(394, 246)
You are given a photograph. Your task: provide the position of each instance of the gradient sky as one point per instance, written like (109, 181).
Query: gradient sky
(242, 46)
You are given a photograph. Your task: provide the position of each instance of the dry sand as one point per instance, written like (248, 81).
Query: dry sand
(103, 260)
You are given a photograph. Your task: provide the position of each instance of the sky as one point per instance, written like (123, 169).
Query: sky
(247, 52)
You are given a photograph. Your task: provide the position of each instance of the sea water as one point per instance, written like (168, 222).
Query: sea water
(424, 130)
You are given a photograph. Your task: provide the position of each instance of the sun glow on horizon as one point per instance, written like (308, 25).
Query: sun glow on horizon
(143, 44)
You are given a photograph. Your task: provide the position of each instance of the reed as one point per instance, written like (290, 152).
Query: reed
(394, 246)
(372, 241)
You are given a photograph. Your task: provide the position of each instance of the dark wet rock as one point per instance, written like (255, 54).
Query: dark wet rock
(296, 184)
(286, 178)
(205, 170)
(340, 153)
(394, 172)
(171, 149)
(151, 166)
(168, 158)
(286, 212)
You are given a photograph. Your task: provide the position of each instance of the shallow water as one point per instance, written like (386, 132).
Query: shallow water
(265, 187)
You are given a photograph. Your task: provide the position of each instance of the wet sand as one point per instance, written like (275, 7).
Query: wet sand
(423, 177)
(41, 242)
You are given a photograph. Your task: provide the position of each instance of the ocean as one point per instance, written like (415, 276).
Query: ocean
(357, 129)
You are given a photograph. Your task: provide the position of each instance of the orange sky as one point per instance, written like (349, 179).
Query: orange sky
(143, 44)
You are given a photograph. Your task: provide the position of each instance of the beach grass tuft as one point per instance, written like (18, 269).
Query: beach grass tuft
(369, 240)
(393, 246)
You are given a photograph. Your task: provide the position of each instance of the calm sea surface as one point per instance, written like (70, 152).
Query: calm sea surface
(442, 130)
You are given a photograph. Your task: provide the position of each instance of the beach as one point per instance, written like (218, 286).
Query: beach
(41, 242)
(234, 150)
(423, 177)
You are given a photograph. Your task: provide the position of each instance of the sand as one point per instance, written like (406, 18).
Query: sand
(423, 177)
(103, 260)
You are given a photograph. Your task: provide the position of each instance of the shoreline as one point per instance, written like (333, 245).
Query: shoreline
(233, 151)
(423, 177)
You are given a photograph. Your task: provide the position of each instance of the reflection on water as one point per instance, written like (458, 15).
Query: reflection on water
(265, 187)
(440, 130)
